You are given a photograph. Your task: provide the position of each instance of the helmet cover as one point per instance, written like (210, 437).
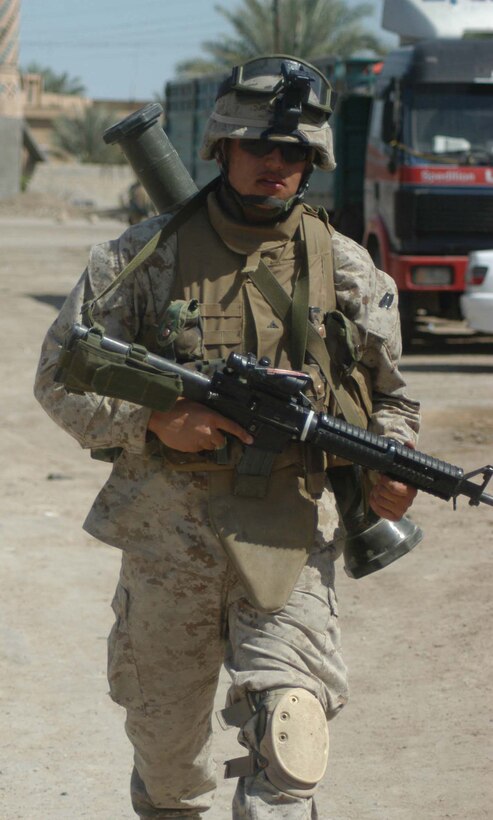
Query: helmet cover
(279, 98)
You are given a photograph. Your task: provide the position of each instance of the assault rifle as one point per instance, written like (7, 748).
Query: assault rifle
(270, 403)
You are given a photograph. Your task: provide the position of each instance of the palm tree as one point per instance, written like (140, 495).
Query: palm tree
(305, 28)
(56, 83)
(82, 136)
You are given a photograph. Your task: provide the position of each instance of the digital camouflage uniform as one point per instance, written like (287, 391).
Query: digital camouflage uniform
(180, 608)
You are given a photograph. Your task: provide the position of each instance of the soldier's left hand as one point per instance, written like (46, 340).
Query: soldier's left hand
(391, 499)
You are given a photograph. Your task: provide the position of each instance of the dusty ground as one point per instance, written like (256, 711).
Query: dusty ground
(415, 742)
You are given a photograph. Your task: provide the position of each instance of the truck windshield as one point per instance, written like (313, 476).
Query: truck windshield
(452, 122)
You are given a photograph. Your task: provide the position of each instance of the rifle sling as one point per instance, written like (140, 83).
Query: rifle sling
(299, 310)
(282, 304)
(154, 242)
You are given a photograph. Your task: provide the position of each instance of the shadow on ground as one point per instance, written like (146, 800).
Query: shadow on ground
(433, 345)
(55, 300)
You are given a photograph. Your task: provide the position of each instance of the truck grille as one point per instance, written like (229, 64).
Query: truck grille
(421, 214)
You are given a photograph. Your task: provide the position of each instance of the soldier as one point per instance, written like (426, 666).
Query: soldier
(188, 600)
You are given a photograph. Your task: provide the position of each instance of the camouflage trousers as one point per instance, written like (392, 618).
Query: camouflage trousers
(179, 617)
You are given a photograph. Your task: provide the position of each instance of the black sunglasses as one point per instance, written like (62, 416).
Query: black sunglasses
(291, 152)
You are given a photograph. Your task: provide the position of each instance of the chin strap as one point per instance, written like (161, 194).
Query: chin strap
(264, 208)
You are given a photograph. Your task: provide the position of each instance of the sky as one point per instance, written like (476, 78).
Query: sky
(123, 49)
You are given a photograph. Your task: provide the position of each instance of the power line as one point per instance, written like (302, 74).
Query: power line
(149, 34)
(94, 21)
(82, 11)
(129, 28)
(106, 45)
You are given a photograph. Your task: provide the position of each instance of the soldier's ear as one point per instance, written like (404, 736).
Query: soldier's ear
(221, 154)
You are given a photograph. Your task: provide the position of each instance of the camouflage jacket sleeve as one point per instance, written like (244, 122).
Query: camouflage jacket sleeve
(369, 298)
(94, 421)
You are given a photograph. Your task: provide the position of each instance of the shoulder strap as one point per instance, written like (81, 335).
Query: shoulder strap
(154, 242)
(281, 303)
(299, 310)
(324, 217)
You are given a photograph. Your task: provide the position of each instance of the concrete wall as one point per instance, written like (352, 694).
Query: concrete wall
(10, 156)
(83, 184)
(10, 100)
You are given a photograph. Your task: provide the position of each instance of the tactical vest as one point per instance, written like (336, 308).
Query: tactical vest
(263, 522)
(266, 522)
(214, 268)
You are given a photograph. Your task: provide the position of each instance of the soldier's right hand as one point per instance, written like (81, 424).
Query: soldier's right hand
(191, 427)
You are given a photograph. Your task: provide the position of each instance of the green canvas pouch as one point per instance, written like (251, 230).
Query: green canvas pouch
(88, 368)
(342, 339)
(180, 333)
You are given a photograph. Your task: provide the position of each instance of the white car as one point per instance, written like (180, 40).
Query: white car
(477, 300)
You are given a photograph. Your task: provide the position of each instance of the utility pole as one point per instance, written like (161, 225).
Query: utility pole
(10, 100)
(276, 20)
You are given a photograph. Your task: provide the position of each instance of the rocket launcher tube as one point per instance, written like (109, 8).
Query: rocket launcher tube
(153, 158)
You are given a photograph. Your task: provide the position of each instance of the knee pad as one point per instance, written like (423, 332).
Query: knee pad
(287, 734)
(294, 746)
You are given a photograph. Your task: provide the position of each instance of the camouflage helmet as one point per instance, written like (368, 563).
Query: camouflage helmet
(277, 97)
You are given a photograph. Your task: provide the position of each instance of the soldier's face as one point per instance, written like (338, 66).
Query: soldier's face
(268, 175)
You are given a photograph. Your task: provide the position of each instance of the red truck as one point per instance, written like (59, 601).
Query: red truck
(414, 149)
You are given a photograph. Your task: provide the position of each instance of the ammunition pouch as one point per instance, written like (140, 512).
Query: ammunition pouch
(344, 346)
(180, 332)
(342, 340)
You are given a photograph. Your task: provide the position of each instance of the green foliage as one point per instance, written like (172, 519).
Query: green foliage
(82, 137)
(306, 29)
(56, 83)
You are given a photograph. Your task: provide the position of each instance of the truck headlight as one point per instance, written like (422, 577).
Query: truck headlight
(432, 275)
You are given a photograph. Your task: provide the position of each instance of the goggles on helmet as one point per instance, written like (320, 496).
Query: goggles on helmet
(276, 98)
(281, 76)
(291, 152)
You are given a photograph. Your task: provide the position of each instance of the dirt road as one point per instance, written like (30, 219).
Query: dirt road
(415, 742)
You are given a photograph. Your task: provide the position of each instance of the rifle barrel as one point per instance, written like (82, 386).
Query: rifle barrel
(387, 456)
(472, 491)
